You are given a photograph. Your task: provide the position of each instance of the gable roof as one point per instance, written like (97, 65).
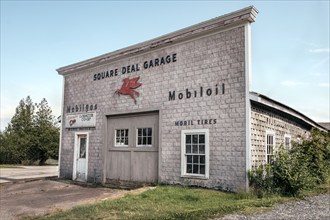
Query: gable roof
(284, 110)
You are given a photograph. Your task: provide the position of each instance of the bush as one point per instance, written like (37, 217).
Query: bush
(261, 180)
(304, 166)
(290, 174)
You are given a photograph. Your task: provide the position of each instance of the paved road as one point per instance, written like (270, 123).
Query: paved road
(27, 172)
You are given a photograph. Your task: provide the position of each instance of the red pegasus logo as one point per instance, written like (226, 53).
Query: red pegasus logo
(128, 86)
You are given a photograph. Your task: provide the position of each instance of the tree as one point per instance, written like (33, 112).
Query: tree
(46, 134)
(30, 136)
(19, 133)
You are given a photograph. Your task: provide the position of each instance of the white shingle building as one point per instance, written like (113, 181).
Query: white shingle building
(176, 109)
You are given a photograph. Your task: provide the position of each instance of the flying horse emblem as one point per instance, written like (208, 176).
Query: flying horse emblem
(128, 86)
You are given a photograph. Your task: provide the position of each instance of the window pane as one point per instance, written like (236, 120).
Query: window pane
(144, 142)
(201, 138)
(149, 131)
(117, 133)
(195, 149)
(202, 169)
(189, 159)
(82, 153)
(202, 149)
(195, 139)
(149, 141)
(144, 132)
(188, 148)
(202, 159)
(122, 132)
(139, 132)
(188, 139)
(195, 159)
(195, 169)
(126, 141)
(189, 168)
(139, 140)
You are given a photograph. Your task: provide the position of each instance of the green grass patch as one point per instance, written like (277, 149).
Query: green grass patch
(170, 202)
(2, 166)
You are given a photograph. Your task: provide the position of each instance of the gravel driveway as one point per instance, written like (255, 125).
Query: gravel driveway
(316, 207)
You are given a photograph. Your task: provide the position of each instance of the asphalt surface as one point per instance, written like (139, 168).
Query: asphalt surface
(27, 172)
(44, 196)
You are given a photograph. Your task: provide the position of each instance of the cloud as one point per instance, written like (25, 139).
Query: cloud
(319, 50)
(323, 85)
(291, 83)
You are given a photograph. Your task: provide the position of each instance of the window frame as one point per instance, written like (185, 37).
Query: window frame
(137, 136)
(184, 157)
(269, 133)
(115, 139)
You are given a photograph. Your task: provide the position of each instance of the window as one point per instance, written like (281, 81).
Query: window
(195, 153)
(270, 147)
(121, 137)
(287, 141)
(144, 137)
(82, 145)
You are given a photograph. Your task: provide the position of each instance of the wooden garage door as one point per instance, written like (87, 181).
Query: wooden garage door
(132, 153)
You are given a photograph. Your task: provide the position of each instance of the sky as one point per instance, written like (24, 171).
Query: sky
(290, 45)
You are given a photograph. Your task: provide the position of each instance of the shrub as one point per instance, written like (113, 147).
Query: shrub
(290, 174)
(261, 180)
(304, 166)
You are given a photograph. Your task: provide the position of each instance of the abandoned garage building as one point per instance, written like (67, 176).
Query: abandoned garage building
(175, 110)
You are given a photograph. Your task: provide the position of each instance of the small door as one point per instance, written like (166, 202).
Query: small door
(81, 157)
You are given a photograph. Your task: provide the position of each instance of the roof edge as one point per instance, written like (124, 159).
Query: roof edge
(257, 97)
(247, 14)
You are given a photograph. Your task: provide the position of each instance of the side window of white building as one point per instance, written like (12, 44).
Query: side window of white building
(287, 141)
(195, 153)
(270, 145)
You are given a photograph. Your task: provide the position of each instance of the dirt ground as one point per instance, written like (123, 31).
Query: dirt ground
(41, 197)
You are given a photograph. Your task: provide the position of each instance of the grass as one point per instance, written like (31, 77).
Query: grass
(3, 166)
(174, 202)
(170, 202)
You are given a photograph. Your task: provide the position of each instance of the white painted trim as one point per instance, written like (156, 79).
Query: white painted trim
(115, 138)
(152, 137)
(207, 153)
(248, 73)
(270, 132)
(75, 154)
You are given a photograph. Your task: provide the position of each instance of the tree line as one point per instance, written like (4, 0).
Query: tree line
(31, 136)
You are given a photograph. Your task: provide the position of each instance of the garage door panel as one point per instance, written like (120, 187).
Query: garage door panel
(119, 166)
(145, 166)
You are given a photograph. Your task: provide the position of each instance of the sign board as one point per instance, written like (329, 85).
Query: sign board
(81, 120)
